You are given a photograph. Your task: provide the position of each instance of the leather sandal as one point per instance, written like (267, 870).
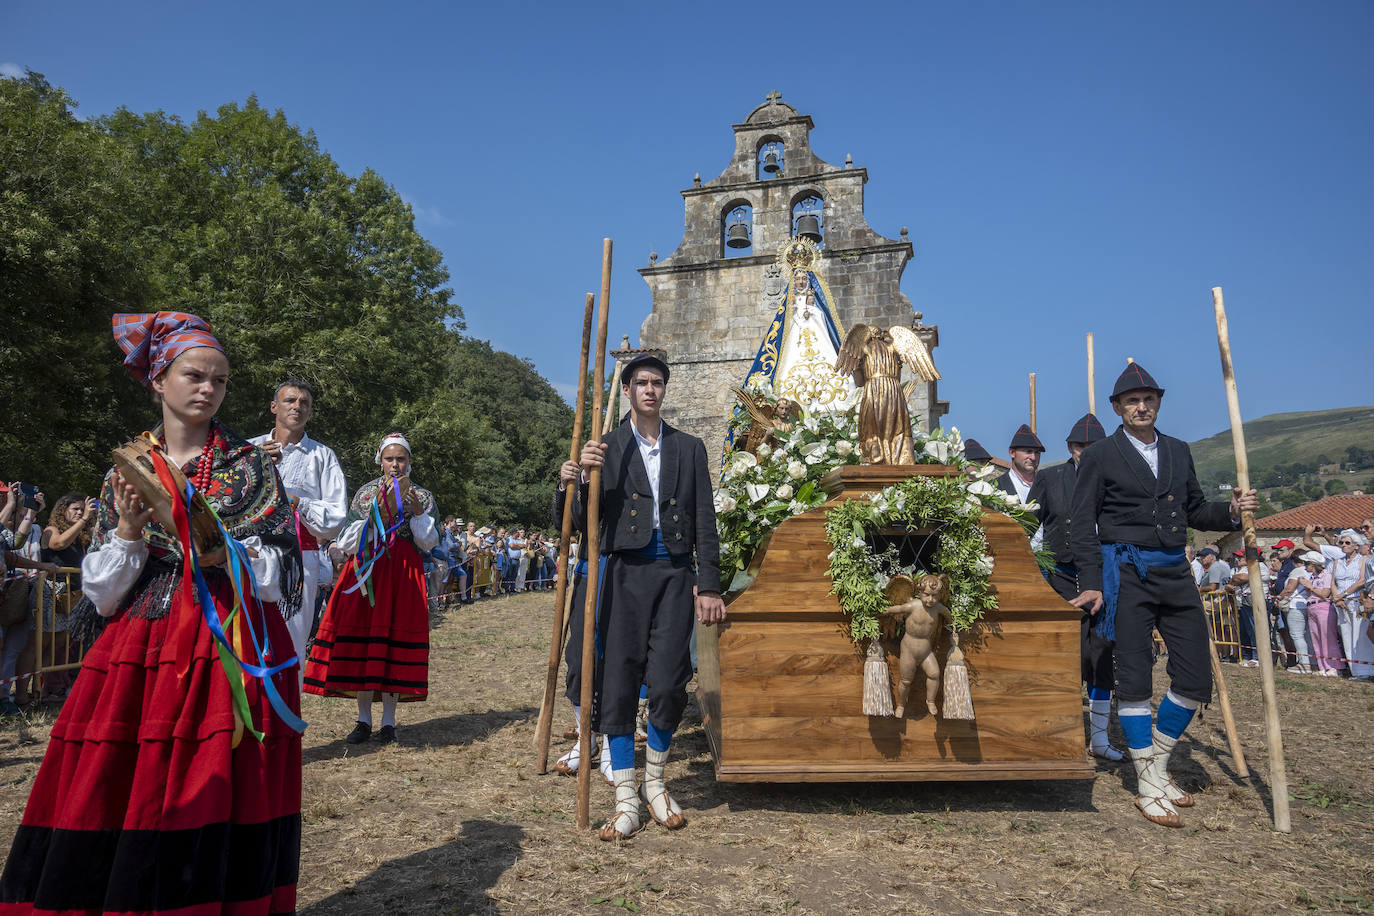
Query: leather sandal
(1184, 800)
(611, 829)
(1165, 820)
(569, 734)
(674, 820)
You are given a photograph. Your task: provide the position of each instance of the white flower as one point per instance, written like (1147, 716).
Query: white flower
(813, 448)
(740, 463)
(812, 424)
(981, 488)
(757, 491)
(975, 503)
(796, 470)
(795, 507)
(844, 447)
(1032, 506)
(725, 502)
(940, 451)
(764, 450)
(858, 542)
(785, 491)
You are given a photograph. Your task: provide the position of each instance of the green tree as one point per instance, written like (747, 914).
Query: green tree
(1335, 485)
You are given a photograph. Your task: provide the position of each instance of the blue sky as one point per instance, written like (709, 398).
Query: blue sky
(1063, 167)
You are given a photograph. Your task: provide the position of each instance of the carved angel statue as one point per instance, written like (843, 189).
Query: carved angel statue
(918, 607)
(874, 357)
(770, 421)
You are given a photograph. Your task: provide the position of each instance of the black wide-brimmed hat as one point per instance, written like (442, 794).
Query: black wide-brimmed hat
(1087, 430)
(1024, 438)
(646, 361)
(973, 451)
(1134, 378)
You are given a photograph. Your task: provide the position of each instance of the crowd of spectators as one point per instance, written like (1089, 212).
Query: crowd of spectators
(471, 563)
(1320, 599)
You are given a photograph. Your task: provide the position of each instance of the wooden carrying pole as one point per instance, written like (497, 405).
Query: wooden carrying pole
(1227, 720)
(1278, 773)
(1092, 375)
(560, 595)
(1032, 402)
(593, 555)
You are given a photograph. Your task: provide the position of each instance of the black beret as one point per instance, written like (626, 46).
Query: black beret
(1024, 438)
(973, 451)
(646, 361)
(1087, 430)
(1134, 377)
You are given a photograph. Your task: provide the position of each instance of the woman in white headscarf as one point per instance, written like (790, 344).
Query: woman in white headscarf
(374, 635)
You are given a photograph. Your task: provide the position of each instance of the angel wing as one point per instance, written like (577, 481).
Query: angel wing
(899, 589)
(913, 353)
(761, 415)
(851, 358)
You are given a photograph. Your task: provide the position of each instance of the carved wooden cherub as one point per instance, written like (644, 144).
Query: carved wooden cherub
(770, 421)
(919, 607)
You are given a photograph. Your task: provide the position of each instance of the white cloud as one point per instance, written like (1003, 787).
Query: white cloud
(426, 216)
(11, 70)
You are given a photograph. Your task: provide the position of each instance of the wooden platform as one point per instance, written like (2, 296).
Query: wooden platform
(781, 684)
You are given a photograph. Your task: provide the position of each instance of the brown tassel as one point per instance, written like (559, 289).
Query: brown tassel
(958, 699)
(877, 681)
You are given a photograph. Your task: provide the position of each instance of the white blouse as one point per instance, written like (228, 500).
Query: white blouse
(109, 571)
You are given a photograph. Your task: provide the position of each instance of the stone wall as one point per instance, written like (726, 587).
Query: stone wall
(710, 312)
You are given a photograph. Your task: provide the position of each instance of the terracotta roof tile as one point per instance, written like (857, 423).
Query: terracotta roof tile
(1341, 511)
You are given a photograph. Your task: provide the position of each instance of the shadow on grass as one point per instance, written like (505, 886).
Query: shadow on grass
(444, 731)
(453, 878)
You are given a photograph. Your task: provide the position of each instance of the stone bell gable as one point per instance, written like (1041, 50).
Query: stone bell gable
(714, 296)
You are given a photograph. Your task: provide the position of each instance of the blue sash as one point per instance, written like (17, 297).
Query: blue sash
(1142, 559)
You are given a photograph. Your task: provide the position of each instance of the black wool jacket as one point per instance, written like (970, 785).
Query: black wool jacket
(1053, 490)
(1118, 500)
(687, 515)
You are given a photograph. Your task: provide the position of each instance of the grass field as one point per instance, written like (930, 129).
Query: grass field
(454, 819)
(1284, 438)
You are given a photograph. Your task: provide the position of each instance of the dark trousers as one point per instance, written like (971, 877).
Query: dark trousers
(646, 625)
(572, 654)
(1096, 652)
(1246, 613)
(1167, 600)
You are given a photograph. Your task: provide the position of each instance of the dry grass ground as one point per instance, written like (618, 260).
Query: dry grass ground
(454, 819)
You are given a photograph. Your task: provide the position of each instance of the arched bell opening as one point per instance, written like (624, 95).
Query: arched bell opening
(737, 230)
(808, 219)
(771, 159)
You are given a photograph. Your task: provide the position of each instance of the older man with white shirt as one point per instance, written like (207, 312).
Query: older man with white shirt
(315, 482)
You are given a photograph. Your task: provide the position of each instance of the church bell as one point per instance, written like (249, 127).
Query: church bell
(809, 227)
(770, 163)
(737, 235)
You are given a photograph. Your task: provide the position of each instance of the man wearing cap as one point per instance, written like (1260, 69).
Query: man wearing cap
(1137, 495)
(315, 484)
(1024, 451)
(1053, 491)
(656, 515)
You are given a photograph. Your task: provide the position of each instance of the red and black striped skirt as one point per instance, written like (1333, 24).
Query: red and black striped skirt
(143, 805)
(382, 646)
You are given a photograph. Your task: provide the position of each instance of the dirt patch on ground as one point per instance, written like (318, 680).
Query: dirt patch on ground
(454, 819)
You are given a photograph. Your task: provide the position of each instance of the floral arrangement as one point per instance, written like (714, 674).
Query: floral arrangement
(760, 491)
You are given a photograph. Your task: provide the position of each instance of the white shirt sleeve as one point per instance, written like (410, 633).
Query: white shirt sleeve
(324, 517)
(266, 568)
(423, 532)
(1332, 552)
(108, 572)
(348, 540)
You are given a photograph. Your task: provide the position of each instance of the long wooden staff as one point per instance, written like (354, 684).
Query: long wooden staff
(1227, 719)
(560, 599)
(1032, 402)
(584, 771)
(1278, 772)
(1092, 387)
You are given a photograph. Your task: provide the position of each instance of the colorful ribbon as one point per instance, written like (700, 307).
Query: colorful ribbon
(236, 630)
(362, 568)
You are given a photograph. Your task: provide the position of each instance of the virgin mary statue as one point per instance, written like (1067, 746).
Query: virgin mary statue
(796, 359)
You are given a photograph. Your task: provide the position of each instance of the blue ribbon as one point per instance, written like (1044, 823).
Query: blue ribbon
(363, 570)
(239, 566)
(1143, 559)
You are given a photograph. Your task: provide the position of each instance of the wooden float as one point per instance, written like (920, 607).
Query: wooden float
(780, 684)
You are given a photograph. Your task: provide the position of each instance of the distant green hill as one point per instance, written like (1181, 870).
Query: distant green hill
(1286, 438)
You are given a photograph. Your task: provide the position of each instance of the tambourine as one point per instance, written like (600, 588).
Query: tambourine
(386, 498)
(133, 461)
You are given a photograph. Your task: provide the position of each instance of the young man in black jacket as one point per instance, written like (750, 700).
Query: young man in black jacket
(1136, 496)
(657, 517)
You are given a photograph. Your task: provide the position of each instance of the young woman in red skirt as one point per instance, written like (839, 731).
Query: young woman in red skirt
(374, 635)
(154, 795)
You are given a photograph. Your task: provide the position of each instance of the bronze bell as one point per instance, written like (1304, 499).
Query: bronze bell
(737, 235)
(809, 227)
(770, 163)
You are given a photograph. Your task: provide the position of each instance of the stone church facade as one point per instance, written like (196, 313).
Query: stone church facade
(713, 302)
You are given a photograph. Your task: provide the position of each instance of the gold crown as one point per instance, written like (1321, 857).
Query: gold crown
(799, 253)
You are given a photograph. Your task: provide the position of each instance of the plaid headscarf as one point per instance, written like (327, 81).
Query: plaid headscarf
(151, 340)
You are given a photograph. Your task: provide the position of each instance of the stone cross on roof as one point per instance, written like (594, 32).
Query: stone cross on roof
(774, 96)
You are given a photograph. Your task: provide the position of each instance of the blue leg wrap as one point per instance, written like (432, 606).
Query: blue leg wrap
(622, 751)
(643, 691)
(1135, 723)
(659, 738)
(1174, 715)
(1099, 693)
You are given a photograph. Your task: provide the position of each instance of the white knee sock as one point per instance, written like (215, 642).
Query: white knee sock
(389, 710)
(661, 804)
(365, 706)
